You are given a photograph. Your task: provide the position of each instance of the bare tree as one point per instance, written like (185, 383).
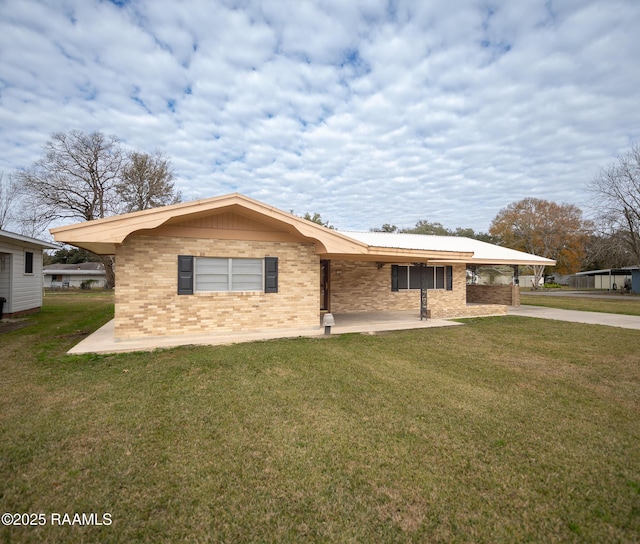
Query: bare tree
(616, 194)
(147, 182)
(74, 179)
(607, 250)
(8, 200)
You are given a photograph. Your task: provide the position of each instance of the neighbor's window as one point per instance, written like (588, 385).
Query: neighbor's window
(28, 262)
(221, 274)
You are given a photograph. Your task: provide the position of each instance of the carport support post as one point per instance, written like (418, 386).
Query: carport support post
(423, 291)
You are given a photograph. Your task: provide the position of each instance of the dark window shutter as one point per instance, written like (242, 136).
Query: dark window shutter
(185, 275)
(271, 274)
(394, 277)
(449, 278)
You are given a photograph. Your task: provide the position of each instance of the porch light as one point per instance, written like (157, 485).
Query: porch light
(328, 322)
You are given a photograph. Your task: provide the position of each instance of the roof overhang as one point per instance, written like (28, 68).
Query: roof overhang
(512, 262)
(27, 240)
(624, 271)
(102, 236)
(396, 255)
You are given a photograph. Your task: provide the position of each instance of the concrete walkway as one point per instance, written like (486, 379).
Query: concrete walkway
(592, 318)
(103, 340)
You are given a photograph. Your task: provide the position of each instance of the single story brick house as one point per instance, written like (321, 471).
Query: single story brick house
(231, 263)
(21, 273)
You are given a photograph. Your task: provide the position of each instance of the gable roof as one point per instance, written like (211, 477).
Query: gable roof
(102, 236)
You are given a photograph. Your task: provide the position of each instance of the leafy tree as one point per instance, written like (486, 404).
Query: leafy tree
(317, 218)
(147, 182)
(72, 255)
(547, 229)
(470, 233)
(386, 228)
(426, 227)
(429, 228)
(616, 195)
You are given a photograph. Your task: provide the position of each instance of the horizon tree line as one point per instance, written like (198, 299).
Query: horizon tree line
(85, 176)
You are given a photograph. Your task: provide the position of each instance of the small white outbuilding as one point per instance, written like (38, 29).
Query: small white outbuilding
(21, 273)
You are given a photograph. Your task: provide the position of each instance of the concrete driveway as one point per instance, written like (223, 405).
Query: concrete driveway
(592, 318)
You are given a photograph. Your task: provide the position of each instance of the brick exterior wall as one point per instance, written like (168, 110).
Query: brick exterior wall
(494, 294)
(147, 303)
(366, 287)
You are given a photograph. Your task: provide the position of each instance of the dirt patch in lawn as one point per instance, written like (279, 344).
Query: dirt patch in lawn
(8, 325)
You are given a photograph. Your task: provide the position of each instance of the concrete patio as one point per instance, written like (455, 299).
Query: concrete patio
(104, 341)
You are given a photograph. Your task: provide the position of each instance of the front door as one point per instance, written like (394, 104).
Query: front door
(325, 291)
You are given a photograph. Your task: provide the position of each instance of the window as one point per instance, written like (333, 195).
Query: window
(217, 274)
(408, 277)
(214, 274)
(28, 262)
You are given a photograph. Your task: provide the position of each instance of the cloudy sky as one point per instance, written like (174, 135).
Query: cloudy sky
(368, 112)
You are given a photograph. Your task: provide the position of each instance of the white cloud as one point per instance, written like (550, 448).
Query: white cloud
(368, 112)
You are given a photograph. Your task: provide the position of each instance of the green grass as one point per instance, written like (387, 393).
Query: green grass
(502, 430)
(627, 304)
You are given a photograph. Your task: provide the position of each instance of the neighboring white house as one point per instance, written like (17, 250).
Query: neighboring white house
(21, 273)
(80, 275)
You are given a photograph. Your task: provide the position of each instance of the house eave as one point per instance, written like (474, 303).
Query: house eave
(510, 262)
(102, 236)
(26, 240)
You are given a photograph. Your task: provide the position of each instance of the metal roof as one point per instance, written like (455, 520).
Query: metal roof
(483, 252)
(624, 270)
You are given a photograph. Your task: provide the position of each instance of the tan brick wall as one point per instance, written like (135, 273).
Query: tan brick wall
(365, 287)
(494, 294)
(147, 303)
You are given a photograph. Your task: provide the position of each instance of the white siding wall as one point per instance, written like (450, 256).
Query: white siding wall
(5, 277)
(25, 293)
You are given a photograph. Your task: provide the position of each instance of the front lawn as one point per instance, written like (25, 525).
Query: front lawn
(505, 429)
(624, 304)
